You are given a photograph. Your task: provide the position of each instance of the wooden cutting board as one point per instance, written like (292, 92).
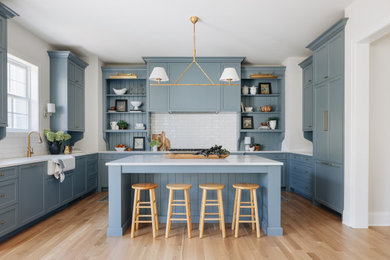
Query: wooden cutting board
(193, 156)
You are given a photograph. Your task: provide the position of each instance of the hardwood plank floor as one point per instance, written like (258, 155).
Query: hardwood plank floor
(79, 232)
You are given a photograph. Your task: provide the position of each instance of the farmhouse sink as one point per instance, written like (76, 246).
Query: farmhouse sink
(68, 160)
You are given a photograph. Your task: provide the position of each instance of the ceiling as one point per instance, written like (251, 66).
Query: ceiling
(122, 31)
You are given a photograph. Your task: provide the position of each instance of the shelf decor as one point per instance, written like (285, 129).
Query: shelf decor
(247, 122)
(263, 76)
(159, 74)
(123, 76)
(121, 105)
(265, 88)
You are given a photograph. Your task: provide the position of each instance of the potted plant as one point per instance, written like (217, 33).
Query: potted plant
(55, 140)
(272, 122)
(122, 124)
(155, 144)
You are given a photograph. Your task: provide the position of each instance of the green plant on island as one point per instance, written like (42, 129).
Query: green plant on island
(273, 118)
(122, 124)
(58, 136)
(156, 143)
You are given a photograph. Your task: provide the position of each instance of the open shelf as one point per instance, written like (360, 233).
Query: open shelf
(261, 131)
(126, 131)
(114, 113)
(261, 95)
(126, 95)
(261, 113)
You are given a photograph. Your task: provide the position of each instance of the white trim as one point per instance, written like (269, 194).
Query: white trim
(379, 219)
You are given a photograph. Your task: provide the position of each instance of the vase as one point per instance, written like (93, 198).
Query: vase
(54, 147)
(154, 148)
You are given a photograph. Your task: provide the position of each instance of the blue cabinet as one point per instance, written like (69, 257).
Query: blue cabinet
(281, 157)
(8, 192)
(31, 192)
(80, 177)
(5, 13)
(103, 169)
(307, 94)
(66, 188)
(67, 91)
(52, 194)
(230, 95)
(8, 219)
(301, 174)
(92, 172)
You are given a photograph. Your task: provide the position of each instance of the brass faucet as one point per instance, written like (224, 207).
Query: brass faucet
(30, 150)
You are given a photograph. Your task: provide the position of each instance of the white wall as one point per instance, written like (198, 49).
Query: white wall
(379, 174)
(368, 21)
(294, 140)
(197, 130)
(25, 45)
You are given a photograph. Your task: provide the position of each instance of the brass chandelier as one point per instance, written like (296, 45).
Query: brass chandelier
(159, 74)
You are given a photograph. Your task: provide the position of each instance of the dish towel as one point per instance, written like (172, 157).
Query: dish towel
(59, 170)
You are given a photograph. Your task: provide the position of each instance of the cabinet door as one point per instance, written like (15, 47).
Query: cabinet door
(80, 177)
(79, 76)
(31, 187)
(3, 89)
(307, 75)
(8, 219)
(71, 71)
(66, 188)
(336, 55)
(79, 111)
(336, 120)
(158, 95)
(3, 33)
(52, 194)
(321, 134)
(71, 106)
(329, 185)
(231, 94)
(103, 172)
(320, 61)
(307, 108)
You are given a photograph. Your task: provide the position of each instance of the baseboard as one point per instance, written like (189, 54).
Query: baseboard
(379, 219)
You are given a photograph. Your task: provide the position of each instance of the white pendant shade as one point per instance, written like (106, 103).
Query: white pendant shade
(158, 74)
(229, 74)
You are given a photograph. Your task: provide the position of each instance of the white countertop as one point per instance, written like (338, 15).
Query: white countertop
(161, 160)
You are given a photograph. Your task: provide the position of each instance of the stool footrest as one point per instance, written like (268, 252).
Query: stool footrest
(182, 214)
(247, 221)
(179, 201)
(211, 200)
(144, 216)
(246, 202)
(183, 205)
(178, 219)
(212, 219)
(144, 207)
(144, 202)
(209, 213)
(212, 204)
(247, 207)
(246, 216)
(143, 221)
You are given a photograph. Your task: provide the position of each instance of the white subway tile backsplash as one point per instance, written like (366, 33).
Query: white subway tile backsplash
(197, 130)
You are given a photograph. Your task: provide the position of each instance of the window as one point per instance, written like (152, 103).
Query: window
(22, 95)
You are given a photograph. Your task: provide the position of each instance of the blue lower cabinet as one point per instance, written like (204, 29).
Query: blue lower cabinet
(80, 177)
(31, 191)
(8, 219)
(103, 169)
(280, 157)
(329, 185)
(8, 193)
(66, 188)
(301, 175)
(52, 194)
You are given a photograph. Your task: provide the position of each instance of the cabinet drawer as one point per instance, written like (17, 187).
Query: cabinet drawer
(8, 173)
(8, 193)
(308, 179)
(8, 217)
(274, 156)
(302, 187)
(302, 158)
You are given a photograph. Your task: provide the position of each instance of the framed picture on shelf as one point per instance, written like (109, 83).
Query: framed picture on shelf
(121, 105)
(265, 88)
(138, 143)
(247, 122)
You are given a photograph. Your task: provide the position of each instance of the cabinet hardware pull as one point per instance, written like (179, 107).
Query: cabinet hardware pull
(325, 77)
(325, 121)
(2, 195)
(77, 81)
(310, 80)
(2, 174)
(32, 165)
(310, 126)
(327, 163)
(2, 222)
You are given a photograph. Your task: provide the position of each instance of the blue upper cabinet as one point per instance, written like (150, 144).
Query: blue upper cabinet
(307, 94)
(67, 91)
(5, 13)
(193, 98)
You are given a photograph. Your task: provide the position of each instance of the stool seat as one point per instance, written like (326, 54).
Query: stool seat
(144, 186)
(245, 186)
(211, 186)
(179, 186)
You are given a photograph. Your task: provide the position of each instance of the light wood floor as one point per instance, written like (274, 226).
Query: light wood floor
(79, 232)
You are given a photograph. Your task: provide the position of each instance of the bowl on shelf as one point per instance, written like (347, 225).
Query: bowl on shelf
(120, 149)
(119, 91)
(136, 104)
(266, 108)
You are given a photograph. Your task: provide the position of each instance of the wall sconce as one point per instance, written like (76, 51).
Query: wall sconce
(229, 74)
(50, 109)
(159, 74)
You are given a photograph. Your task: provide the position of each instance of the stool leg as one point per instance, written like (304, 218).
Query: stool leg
(169, 214)
(155, 208)
(134, 213)
(238, 212)
(221, 213)
(202, 213)
(252, 210)
(153, 214)
(138, 204)
(234, 209)
(188, 213)
(257, 213)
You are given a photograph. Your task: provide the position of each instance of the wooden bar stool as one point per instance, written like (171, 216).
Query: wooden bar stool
(252, 205)
(138, 204)
(219, 202)
(184, 187)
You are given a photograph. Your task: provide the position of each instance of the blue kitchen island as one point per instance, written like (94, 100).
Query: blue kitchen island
(161, 170)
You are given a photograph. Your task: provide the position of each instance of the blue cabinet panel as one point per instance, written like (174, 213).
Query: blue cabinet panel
(281, 157)
(321, 100)
(336, 55)
(336, 120)
(66, 188)
(158, 100)
(230, 95)
(8, 193)
(308, 75)
(329, 185)
(79, 109)
(52, 194)
(103, 169)
(8, 219)
(3, 32)
(31, 187)
(3, 89)
(320, 61)
(301, 175)
(80, 177)
(8, 173)
(307, 108)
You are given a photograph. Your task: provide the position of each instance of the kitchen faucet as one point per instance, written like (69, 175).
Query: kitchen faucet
(30, 150)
